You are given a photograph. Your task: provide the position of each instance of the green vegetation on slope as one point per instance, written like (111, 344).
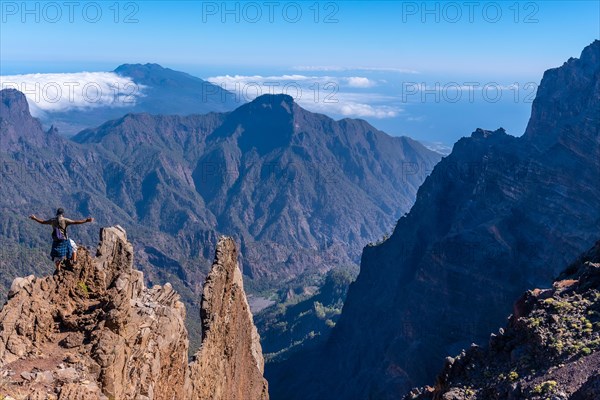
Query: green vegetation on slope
(304, 318)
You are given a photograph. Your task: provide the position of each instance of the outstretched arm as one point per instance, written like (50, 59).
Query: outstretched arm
(82, 221)
(40, 221)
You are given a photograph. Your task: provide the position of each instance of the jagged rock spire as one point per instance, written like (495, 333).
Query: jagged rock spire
(229, 364)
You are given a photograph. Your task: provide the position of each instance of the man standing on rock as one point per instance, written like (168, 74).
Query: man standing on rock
(62, 247)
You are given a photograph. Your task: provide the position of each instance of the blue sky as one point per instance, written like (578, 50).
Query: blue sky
(443, 42)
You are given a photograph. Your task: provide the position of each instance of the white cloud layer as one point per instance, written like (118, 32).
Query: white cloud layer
(48, 93)
(342, 96)
(360, 82)
(353, 109)
(325, 94)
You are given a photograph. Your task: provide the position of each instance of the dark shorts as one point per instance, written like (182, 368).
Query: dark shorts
(61, 249)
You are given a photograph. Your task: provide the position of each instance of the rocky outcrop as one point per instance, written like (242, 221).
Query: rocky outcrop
(499, 215)
(94, 331)
(549, 349)
(229, 364)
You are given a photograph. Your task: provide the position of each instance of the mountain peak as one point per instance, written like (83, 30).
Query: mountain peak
(267, 123)
(484, 134)
(13, 102)
(156, 75)
(570, 93)
(52, 130)
(230, 340)
(274, 99)
(17, 123)
(167, 91)
(591, 53)
(140, 67)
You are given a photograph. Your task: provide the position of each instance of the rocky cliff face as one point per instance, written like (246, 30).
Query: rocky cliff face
(230, 364)
(94, 331)
(549, 349)
(16, 120)
(499, 215)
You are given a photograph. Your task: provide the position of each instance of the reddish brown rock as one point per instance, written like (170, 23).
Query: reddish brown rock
(229, 364)
(94, 331)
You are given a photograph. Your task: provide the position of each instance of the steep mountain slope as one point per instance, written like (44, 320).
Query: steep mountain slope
(282, 180)
(155, 90)
(499, 215)
(95, 331)
(548, 349)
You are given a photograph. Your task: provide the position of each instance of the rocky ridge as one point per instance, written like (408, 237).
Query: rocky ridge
(549, 349)
(94, 331)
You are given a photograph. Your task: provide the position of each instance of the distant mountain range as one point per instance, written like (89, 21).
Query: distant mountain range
(150, 88)
(497, 216)
(285, 181)
(300, 192)
(173, 92)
